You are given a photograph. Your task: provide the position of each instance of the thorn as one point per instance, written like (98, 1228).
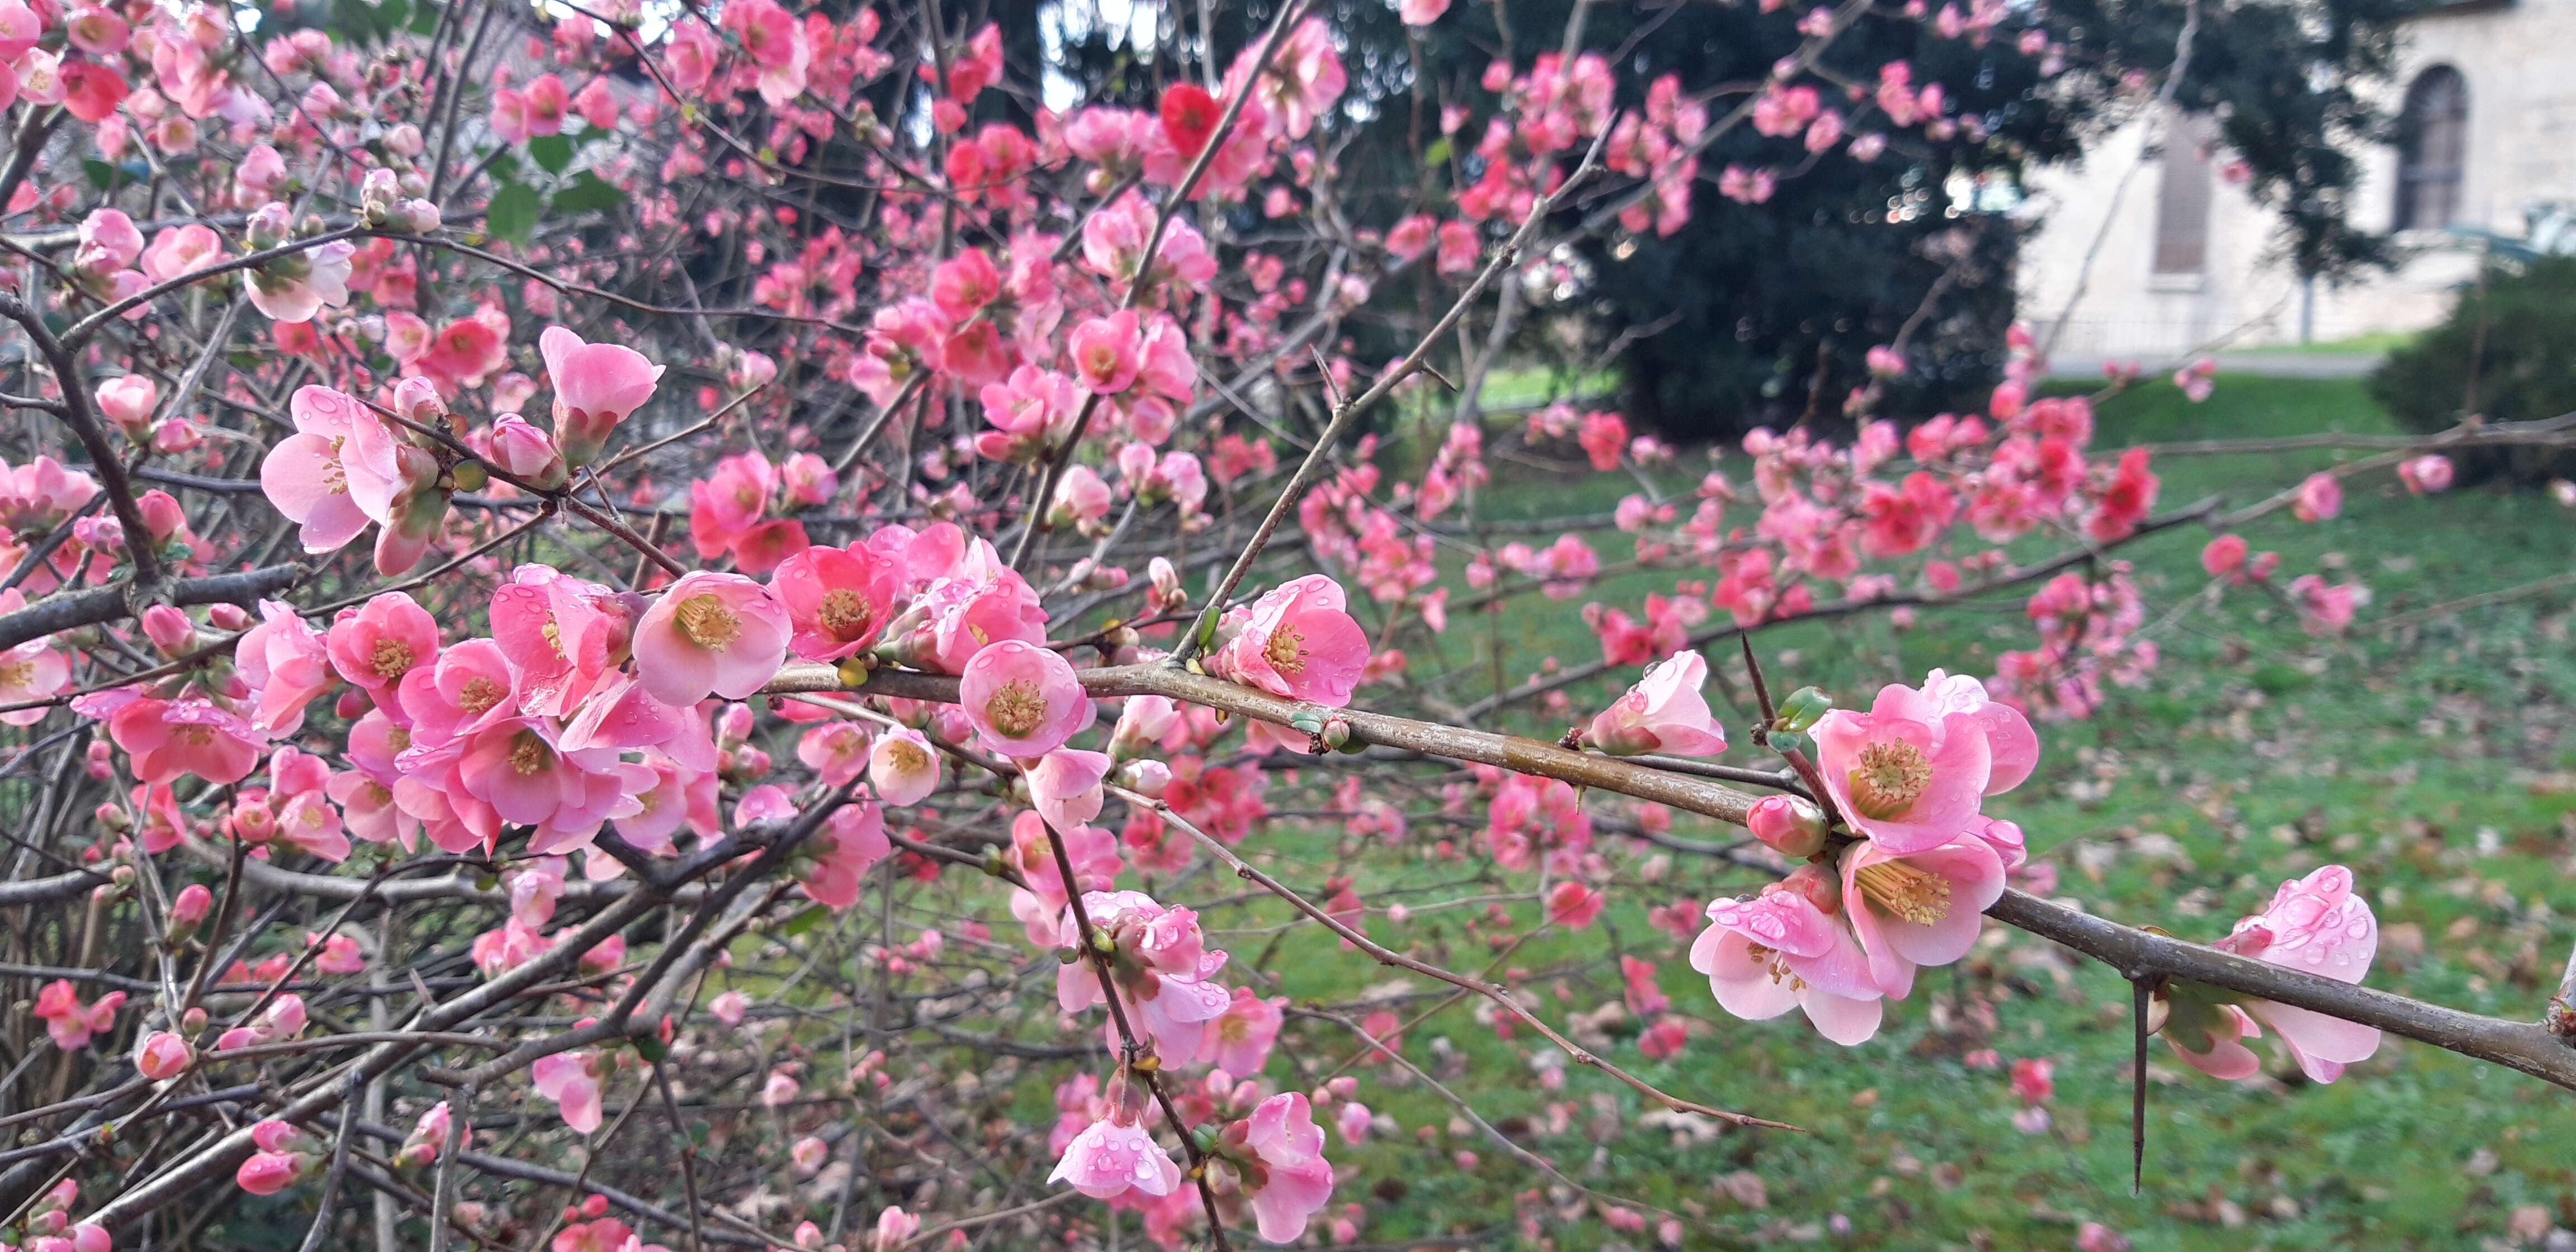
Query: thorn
(2139, 994)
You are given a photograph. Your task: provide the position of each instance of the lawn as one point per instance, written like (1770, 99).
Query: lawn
(2433, 758)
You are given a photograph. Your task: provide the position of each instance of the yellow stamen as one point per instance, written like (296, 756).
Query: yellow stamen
(844, 614)
(391, 658)
(707, 622)
(1017, 709)
(1906, 891)
(529, 753)
(1285, 650)
(1888, 779)
(480, 694)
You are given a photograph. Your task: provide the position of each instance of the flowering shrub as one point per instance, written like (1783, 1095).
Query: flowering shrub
(421, 752)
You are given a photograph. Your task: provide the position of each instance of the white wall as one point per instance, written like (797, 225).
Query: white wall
(2519, 62)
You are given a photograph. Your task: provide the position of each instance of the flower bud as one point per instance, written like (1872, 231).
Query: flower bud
(169, 630)
(270, 227)
(527, 453)
(189, 908)
(376, 196)
(1788, 825)
(417, 400)
(164, 1055)
(1145, 777)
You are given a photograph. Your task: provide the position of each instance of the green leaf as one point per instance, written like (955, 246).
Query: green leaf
(1437, 153)
(101, 174)
(513, 212)
(803, 922)
(552, 152)
(587, 193)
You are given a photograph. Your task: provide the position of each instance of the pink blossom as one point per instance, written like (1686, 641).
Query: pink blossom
(1293, 1179)
(1023, 698)
(2318, 925)
(710, 632)
(375, 645)
(1296, 641)
(267, 1173)
(1238, 1041)
(2319, 497)
(335, 474)
(2423, 475)
(894, 1229)
(851, 840)
(1789, 825)
(1113, 1155)
(1107, 352)
(1918, 908)
(1421, 12)
(1064, 785)
(2224, 557)
(903, 769)
(69, 1022)
(2323, 611)
(286, 663)
(1780, 951)
(572, 1081)
(168, 738)
(2033, 1079)
(1663, 712)
(597, 385)
(1572, 905)
(838, 599)
(1909, 773)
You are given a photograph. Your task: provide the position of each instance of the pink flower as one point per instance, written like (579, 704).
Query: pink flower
(163, 1055)
(374, 646)
(2033, 1081)
(1023, 698)
(1297, 642)
(516, 766)
(2423, 475)
(1664, 712)
(837, 598)
(1238, 1041)
(2317, 925)
(2323, 611)
(33, 670)
(335, 474)
(1113, 1155)
(903, 769)
(836, 751)
(1421, 12)
(710, 632)
(1908, 773)
(168, 738)
(526, 453)
(286, 665)
(1292, 1179)
(1917, 908)
(571, 1080)
(851, 841)
(69, 1022)
(1107, 352)
(2224, 557)
(1788, 825)
(2318, 498)
(1780, 951)
(1572, 905)
(597, 385)
(1065, 786)
(894, 1229)
(128, 401)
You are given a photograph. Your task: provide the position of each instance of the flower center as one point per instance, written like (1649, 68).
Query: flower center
(553, 635)
(1285, 650)
(707, 622)
(480, 694)
(1778, 969)
(845, 613)
(907, 756)
(194, 736)
(391, 658)
(16, 674)
(1888, 779)
(1017, 709)
(398, 739)
(529, 753)
(1906, 891)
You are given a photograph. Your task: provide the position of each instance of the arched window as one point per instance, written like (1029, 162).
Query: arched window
(2182, 197)
(2432, 148)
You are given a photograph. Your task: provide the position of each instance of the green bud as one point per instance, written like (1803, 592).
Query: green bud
(1803, 709)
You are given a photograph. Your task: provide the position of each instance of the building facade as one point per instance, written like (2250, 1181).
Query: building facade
(2149, 261)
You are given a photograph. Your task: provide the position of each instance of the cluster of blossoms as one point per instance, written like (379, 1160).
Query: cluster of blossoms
(1049, 363)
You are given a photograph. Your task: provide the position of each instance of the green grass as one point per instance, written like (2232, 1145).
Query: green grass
(2378, 343)
(2436, 761)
